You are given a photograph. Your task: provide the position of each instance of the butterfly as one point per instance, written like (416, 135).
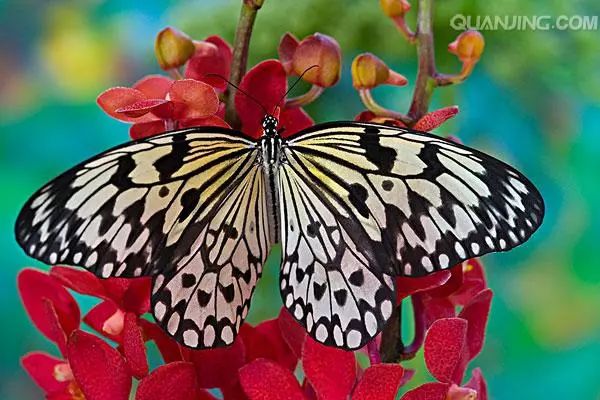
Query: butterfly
(353, 205)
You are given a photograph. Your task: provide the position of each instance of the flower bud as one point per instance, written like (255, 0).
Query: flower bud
(320, 50)
(369, 71)
(394, 8)
(173, 48)
(468, 46)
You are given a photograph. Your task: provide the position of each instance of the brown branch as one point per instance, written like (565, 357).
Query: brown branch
(239, 61)
(425, 82)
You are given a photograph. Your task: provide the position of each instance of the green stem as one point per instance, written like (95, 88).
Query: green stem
(239, 61)
(425, 82)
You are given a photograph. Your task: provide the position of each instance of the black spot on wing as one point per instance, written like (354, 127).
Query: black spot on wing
(383, 157)
(168, 164)
(358, 198)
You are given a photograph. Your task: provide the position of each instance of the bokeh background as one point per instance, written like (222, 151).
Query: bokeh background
(533, 100)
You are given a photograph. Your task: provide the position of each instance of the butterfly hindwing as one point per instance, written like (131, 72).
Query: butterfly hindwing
(331, 287)
(204, 295)
(422, 202)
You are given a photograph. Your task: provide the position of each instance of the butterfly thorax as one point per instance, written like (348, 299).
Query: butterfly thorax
(270, 158)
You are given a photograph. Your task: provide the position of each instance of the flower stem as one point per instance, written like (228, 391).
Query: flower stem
(371, 105)
(392, 346)
(425, 76)
(299, 101)
(239, 61)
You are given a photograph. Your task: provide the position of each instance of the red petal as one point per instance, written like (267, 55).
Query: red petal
(264, 379)
(435, 308)
(451, 285)
(146, 129)
(161, 108)
(266, 83)
(79, 280)
(134, 349)
(294, 120)
(137, 296)
(406, 286)
(212, 120)
(218, 367)
(35, 288)
(287, 47)
(265, 341)
(114, 98)
(473, 282)
(331, 371)
(167, 346)
(174, 381)
(428, 391)
(379, 382)
(57, 332)
(40, 367)
(234, 392)
(193, 99)
(435, 118)
(154, 86)
(213, 56)
(292, 332)
(99, 369)
(445, 346)
(97, 316)
(476, 313)
(478, 383)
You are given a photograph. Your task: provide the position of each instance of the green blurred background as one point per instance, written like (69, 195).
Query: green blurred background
(533, 100)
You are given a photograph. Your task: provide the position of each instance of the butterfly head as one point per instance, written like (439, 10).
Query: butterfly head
(269, 125)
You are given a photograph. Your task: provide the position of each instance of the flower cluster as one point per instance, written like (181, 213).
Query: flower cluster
(260, 364)
(450, 307)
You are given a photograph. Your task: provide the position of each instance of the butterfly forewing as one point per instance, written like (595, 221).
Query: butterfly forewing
(143, 208)
(423, 203)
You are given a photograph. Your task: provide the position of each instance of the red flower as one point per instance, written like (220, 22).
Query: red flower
(89, 366)
(267, 83)
(451, 343)
(157, 104)
(118, 315)
(330, 373)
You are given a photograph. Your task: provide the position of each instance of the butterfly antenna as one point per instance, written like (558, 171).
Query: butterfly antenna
(240, 90)
(294, 84)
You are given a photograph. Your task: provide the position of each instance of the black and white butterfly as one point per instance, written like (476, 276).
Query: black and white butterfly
(352, 204)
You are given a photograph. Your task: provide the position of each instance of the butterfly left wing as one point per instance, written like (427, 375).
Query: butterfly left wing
(187, 207)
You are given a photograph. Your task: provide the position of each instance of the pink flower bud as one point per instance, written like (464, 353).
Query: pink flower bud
(468, 46)
(173, 48)
(369, 71)
(320, 50)
(394, 8)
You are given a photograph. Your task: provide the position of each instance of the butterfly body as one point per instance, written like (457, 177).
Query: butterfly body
(352, 204)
